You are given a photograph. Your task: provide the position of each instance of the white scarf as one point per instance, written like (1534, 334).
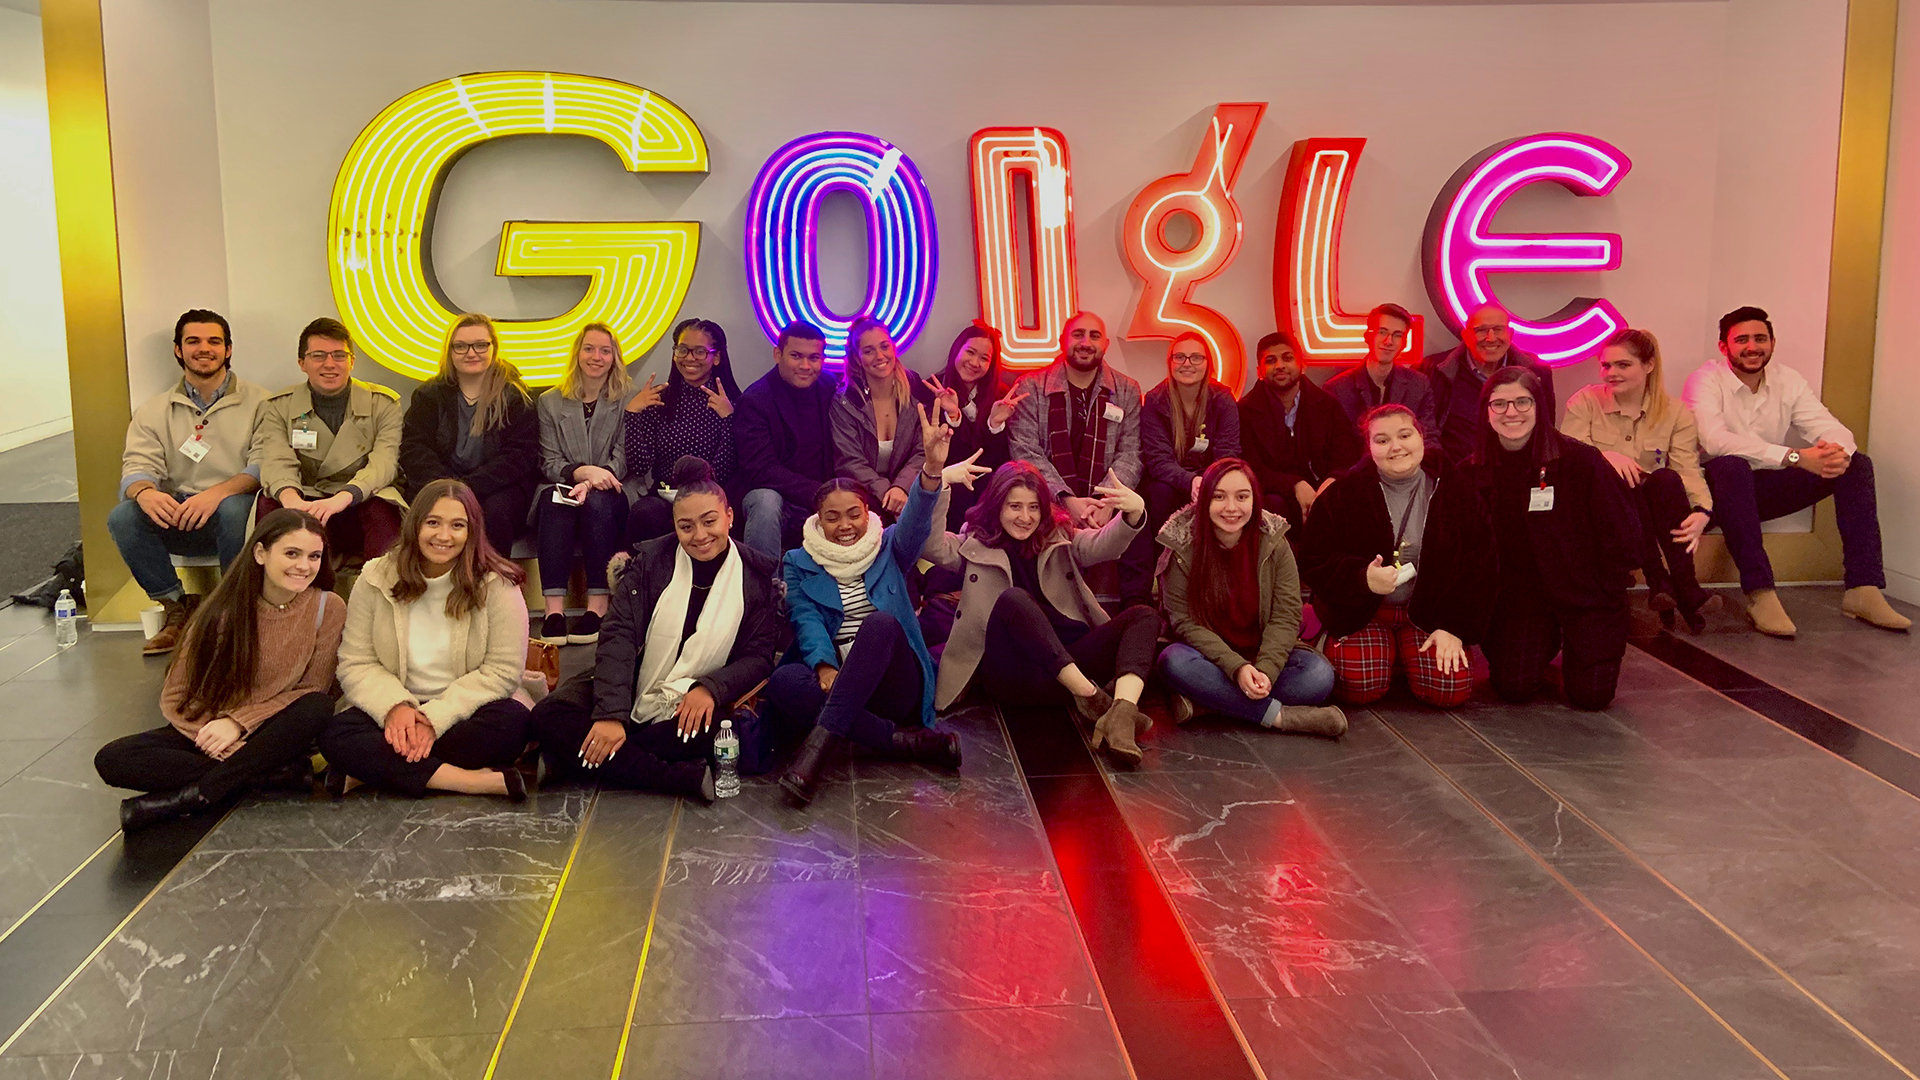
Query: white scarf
(845, 562)
(669, 666)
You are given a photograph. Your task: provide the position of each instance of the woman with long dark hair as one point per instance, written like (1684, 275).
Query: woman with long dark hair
(1652, 442)
(875, 440)
(475, 422)
(1568, 540)
(1399, 553)
(977, 400)
(1232, 599)
(859, 662)
(690, 416)
(1030, 631)
(430, 663)
(693, 627)
(246, 694)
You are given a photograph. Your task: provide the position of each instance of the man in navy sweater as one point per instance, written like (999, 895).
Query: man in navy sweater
(783, 446)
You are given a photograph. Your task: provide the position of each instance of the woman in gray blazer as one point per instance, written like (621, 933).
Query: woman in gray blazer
(876, 443)
(584, 497)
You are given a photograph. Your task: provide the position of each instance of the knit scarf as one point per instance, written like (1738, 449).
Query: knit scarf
(668, 666)
(844, 562)
(1085, 465)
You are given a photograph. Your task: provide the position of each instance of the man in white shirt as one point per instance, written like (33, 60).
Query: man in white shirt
(1773, 449)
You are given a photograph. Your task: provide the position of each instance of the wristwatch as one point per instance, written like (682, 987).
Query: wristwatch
(1793, 457)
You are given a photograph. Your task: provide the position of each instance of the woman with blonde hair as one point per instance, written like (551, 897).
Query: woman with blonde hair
(875, 440)
(475, 422)
(588, 490)
(430, 663)
(1653, 444)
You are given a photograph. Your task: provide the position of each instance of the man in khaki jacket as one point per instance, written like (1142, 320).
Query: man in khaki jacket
(331, 446)
(186, 475)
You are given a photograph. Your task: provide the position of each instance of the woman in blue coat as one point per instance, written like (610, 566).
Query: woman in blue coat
(858, 658)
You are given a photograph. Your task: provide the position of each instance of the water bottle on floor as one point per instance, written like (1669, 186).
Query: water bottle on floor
(726, 752)
(66, 620)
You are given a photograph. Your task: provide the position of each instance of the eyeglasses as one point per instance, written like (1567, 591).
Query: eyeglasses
(338, 356)
(462, 348)
(698, 352)
(1189, 359)
(1506, 405)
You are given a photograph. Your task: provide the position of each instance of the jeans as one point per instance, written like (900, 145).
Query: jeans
(165, 759)
(146, 547)
(1306, 679)
(1744, 496)
(770, 522)
(599, 523)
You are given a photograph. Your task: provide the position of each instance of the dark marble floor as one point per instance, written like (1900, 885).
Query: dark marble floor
(1676, 887)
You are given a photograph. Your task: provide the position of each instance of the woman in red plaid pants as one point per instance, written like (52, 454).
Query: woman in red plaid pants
(1401, 562)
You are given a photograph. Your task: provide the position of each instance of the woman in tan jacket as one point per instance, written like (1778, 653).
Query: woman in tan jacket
(430, 663)
(247, 692)
(1651, 441)
(1028, 630)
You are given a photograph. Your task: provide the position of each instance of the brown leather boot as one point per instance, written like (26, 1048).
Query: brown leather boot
(1116, 730)
(1323, 720)
(169, 635)
(1867, 604)
(1767, 614)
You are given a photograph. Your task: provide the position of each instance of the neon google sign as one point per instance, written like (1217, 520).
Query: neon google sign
(383, 207)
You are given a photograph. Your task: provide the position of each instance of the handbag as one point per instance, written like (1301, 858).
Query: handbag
(543, 666)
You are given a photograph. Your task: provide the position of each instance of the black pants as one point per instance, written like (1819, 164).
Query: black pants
(505, 512)
(653, 758)
(1136, 565)
(164, 759)
(1744, 496)
(1666, 561)
(1024, 656)
(492, 738)
(1528, 629)
(880, 687)
(599, 525)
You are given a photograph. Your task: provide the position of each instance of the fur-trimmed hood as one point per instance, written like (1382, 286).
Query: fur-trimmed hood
(1177, 534)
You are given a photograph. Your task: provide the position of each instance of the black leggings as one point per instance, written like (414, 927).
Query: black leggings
(652, 759)
(1528, 630)
(879, 688)
(1023, 657)
(491, 738)
(164, 759)
(1663, 505)
(505, 512)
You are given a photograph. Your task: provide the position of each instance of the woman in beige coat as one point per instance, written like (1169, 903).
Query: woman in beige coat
(1028, 630)
(430, 663)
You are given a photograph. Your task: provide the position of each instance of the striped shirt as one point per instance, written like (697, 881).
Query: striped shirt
(855, 608)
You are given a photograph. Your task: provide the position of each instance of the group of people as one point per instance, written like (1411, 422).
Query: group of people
(902, 544)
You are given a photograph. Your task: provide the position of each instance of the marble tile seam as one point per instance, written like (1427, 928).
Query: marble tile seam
(51, 893)
(553, 905)
(646, 943)
(158, 888)
(1646, 867)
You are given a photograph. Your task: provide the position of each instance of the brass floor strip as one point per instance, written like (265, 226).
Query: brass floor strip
(546, 924)
(646, 944)
(1584, 900)
(42, 902)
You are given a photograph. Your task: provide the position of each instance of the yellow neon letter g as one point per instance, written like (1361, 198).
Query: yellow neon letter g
(383, 204)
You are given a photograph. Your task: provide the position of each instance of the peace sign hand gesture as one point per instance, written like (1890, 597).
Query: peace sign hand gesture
(1003, 409)
(646, 397)
(717, 398)
(945, 398)
(936, 438)
(1118, 497)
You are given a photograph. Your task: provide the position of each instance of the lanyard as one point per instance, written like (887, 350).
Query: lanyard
(1420, 498)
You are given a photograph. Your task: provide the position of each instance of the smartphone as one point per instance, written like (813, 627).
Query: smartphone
(560, 496)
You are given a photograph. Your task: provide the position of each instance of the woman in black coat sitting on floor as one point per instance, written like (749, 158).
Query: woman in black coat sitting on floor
(693, 626)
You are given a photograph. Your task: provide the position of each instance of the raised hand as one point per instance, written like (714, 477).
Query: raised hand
(945, 398)
(646, 397)
(935, 437)
(1003, 409)
(1118, 497)
(717, 398)
(964, 473)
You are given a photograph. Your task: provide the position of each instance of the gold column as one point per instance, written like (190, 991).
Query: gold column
(90, 276)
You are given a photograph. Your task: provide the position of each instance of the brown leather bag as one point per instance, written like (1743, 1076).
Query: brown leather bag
(543, 661)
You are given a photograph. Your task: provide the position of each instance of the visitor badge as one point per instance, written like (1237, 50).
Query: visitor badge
(1540, 498)
(1659, 459)
(195, 448)
(304, 438)
(1200, 444)
(1402, 573)
(1114, 415)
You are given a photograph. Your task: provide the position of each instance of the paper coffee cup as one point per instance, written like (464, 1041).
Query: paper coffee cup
(152, 619)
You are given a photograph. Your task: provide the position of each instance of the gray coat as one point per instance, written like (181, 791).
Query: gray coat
(856, 439)
(1031, 440)
(567, 439)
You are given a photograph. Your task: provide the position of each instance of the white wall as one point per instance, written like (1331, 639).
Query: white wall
(33, 326)
(1895, 440)
(1729, 110)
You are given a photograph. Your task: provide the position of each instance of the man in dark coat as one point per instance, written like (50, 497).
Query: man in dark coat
(1379, 380)
(783, 447)
(1459, 373)
(1294, 434)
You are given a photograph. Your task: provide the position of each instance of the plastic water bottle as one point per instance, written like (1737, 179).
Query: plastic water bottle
(726, 751)
(66, 620)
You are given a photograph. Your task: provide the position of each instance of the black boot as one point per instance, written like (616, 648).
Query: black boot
(929, 746)
(1688, 596)
(154, 807)
(802, 778)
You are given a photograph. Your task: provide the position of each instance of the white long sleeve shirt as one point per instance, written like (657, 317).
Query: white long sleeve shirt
(1760, 426)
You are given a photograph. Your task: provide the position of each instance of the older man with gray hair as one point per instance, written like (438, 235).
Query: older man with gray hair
(1458, 374)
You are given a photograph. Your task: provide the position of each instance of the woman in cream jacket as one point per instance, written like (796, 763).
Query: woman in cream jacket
(430, 663)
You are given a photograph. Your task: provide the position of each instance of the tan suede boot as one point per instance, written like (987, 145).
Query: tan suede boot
(1180, 707)
(1767, 614)
(1095, 707)
(1867, 604)
(1323, 720)
(1115, 729)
